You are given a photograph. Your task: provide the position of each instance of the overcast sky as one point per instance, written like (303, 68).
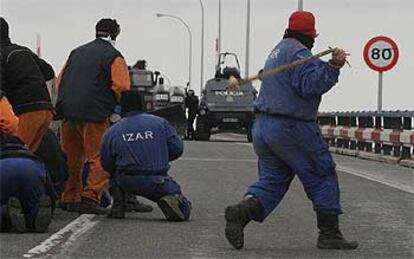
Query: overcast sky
(163, 42)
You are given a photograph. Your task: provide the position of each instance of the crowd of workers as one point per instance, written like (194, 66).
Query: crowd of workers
(94, 160)
(39, 171)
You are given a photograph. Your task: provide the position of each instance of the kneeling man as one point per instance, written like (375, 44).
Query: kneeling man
(136, 152)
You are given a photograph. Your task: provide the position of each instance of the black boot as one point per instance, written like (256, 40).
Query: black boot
(118, 207)
(133, 204)
(16, 215)
(69, 206)
(43, 217)
(237, 217)
(89, 206)
(330, 237)
(170, 206)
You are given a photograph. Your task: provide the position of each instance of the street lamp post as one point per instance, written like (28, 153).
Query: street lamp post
(160, 15)
(300, 5)
(247, 58)
(202, 48)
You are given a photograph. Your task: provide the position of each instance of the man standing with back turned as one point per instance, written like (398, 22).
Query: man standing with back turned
(287, 138)
(90, 86)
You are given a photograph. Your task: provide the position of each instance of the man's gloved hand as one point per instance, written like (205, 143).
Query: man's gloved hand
(338, 58)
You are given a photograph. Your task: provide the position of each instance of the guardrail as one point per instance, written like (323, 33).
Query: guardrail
(389, 133)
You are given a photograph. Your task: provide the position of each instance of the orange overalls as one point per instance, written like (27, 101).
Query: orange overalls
(81, 141)
(33, 126)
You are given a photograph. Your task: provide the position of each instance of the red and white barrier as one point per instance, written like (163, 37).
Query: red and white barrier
(394, 137)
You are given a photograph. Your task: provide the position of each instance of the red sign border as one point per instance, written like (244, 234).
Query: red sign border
(394, 60)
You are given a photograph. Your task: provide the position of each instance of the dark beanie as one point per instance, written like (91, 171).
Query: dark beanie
(4, 28)
(131, 100)
(107, 27)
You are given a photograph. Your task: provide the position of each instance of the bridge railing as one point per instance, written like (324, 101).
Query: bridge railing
(389, 133)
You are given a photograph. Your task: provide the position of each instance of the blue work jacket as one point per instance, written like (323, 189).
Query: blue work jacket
(140, 142)
(295, 93)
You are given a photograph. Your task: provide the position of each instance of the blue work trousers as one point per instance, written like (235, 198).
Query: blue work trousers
(287, 147)
(153, 187)
(24, 179)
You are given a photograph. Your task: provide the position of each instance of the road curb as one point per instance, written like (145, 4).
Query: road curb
(373, 157)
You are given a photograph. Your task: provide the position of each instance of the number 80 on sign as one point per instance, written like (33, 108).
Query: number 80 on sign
(381, 53)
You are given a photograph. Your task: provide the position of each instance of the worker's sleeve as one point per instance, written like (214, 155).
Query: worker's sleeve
(46, 69)
(174, 142)
(314, 78)
(120, 77)
(107, 155)
(8, 121)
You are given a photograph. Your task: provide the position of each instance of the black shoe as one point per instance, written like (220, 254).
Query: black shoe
(170, 206)
(330, 237)
(133, 204)
(89, 206)
(70, 206)
(116, 213)
(118, 207)
(237, 217)
(16, 216)
(43, 216)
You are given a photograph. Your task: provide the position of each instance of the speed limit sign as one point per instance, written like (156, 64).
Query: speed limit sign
(381, 53)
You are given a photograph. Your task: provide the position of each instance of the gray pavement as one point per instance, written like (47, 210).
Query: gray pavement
(216, 174)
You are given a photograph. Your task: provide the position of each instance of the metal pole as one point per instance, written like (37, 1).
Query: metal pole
(300, 5)
(379, 92)
(38, 45)
(246, 66)
(202, 48)
(219, 28)
(190, 36)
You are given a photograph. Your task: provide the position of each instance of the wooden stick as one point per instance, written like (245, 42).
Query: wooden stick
(234, 84)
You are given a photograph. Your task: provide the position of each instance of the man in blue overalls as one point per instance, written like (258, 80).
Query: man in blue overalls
(25, 204)
(136, 152)
(288, 141)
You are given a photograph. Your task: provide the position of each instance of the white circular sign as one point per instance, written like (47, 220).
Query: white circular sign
(381, 53)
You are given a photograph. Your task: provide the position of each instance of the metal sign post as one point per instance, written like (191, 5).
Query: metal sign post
(379, 101)
(381, 54)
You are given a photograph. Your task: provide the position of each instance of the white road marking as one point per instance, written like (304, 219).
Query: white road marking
(65, 237)
(366, 175)
(374, 178)
(217, 159)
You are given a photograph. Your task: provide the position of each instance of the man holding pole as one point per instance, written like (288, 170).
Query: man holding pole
(287, 138)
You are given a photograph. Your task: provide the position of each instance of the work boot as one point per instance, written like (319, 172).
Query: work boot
(44, 215)
(89, 206)
(170, 206)
(237, 217)
(133, 204)
(15, 214)
(330, 237)
(119, 207)
(69, 206)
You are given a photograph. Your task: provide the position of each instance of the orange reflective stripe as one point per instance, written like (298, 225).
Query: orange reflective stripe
(120, 77)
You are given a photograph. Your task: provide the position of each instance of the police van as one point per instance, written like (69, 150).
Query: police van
(222, 110)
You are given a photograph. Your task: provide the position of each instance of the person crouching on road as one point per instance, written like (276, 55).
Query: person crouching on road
(25, 87)
(26, 204)
(89, 87)
(137, 151)
(288, 141)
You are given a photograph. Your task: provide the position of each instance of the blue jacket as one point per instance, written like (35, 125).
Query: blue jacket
(295, 93)
(140, 142)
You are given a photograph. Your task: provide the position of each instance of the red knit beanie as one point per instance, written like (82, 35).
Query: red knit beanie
(303, 22)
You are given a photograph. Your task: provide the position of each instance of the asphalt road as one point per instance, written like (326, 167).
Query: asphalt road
(378, 212)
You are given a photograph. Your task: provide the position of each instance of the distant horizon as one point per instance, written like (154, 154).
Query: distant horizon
(163, 42)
